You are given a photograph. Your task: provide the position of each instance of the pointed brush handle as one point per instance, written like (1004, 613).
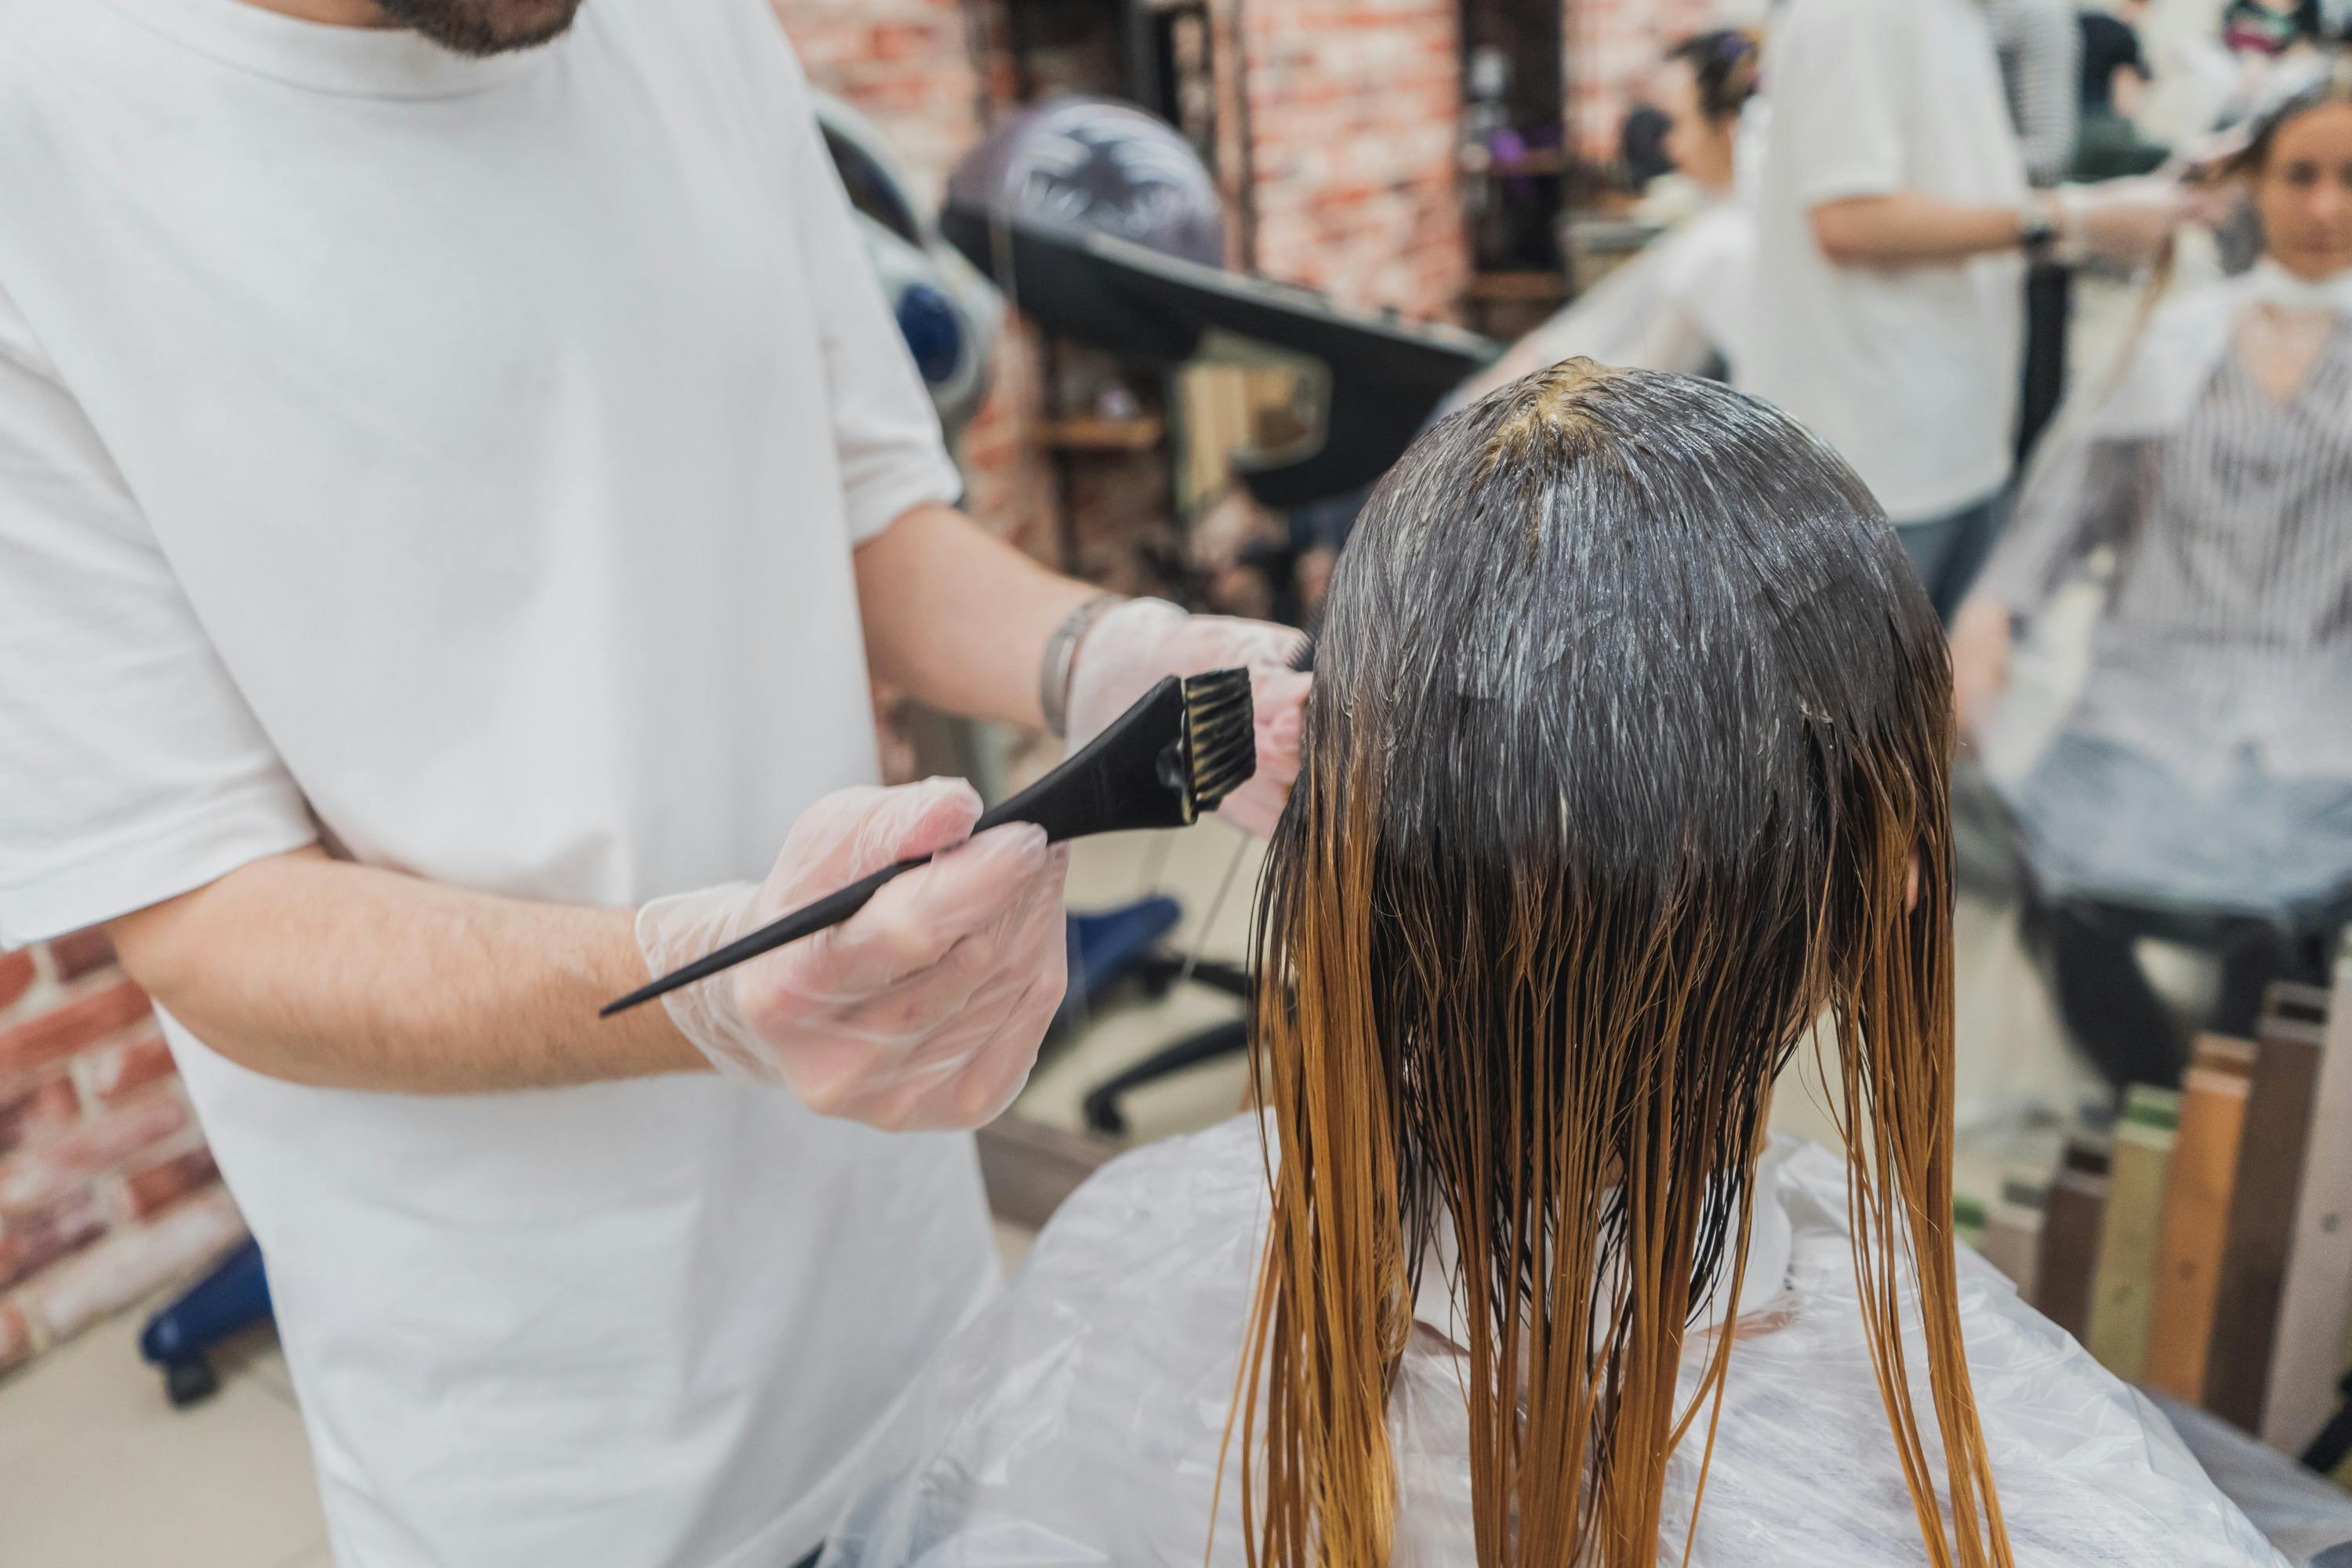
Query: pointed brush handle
(1129, 776)
(807, 921)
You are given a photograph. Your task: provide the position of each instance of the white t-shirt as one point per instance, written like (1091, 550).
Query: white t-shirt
(469, 455)
(1911, 373)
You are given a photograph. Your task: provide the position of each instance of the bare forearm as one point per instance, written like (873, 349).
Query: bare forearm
(1908, 230)
(958, 618)
(355, 977)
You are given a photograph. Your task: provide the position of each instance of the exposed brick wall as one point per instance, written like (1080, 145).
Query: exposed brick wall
(106, 1188)
(1354, 112)
(1612, 48)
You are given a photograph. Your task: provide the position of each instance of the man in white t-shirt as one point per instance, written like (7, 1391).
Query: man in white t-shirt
(1893, 221)
(452, 495)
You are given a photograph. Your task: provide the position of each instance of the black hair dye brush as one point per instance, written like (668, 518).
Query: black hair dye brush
(1164, 762)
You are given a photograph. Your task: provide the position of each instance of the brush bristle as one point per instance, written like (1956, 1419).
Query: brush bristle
(1221, 733)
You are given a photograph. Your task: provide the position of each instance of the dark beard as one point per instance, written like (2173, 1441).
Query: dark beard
(483, 26)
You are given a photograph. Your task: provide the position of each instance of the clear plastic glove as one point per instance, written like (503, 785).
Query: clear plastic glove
(924, 1009)
(1139, 642)
(2127, 221)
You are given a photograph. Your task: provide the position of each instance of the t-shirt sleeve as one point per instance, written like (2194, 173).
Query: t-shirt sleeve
(885, 428)
(132, 769)
(1833, 69)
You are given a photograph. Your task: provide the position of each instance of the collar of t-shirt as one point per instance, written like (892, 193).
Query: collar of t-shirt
(366, 62)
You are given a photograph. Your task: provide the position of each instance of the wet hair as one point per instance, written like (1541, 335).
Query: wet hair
(1629, 722)
(1724, 62)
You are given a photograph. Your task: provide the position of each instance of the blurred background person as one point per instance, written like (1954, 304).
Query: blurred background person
(1681, 304)
(1893, 218)
(2199, 783)
(2040, 51)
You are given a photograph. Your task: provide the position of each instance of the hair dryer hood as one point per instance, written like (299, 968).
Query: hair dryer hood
(1100, 224)
(946, 311)
(1044, 182)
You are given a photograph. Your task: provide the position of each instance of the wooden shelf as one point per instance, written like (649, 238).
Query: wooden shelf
(1101, 435)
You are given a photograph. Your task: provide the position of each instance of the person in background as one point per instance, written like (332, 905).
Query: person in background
(2204, 769)
(1894, 220)
(2108, 144)
(1681, 304)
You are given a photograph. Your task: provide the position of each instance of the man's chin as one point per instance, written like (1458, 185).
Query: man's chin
(484, 26)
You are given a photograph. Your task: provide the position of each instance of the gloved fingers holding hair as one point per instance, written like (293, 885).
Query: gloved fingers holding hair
(1133, 644)
(924, 1009)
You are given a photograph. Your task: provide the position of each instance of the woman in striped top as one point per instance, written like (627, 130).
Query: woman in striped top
(2205, 765)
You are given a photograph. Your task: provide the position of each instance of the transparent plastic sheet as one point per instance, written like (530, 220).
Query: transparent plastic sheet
(2190, 507)
(1078, 1420)
(2303, 1514)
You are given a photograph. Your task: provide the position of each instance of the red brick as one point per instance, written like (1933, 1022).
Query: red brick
(135, 1260)
(31, 1242)
(166, 1182)
(82, 953)
(15, 1336)
(43, 1173)
(65, 1029)
(127, 1065)
(38, 1109)
(17, 975)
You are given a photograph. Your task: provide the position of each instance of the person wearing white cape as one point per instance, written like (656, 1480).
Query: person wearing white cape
(2204, 769)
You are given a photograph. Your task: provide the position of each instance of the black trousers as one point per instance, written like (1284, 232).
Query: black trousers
(2048, 288)
(2115, 1016)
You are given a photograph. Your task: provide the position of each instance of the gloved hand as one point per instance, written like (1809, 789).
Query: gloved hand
(1138, 643)
(922, 1010)
(2126, 221)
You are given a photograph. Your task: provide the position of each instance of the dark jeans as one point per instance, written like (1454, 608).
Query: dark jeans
(1948, 552)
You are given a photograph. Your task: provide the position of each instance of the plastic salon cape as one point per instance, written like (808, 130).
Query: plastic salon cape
(1078, 1420)
(2181, 554)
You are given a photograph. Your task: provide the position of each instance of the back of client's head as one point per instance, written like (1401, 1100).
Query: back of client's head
(1629, 726)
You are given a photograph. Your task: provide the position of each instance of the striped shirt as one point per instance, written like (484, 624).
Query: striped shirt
(2039, 44)
(2228, 622)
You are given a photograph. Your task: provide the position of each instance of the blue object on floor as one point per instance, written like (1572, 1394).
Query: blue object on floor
(1110, 945)
(234, 1296)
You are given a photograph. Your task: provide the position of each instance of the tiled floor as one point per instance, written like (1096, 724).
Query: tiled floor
(97, 1471)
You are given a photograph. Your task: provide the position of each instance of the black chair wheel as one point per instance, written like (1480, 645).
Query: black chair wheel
(187, 1383)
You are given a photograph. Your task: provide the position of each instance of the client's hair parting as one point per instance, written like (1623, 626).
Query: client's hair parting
(1629, 724)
